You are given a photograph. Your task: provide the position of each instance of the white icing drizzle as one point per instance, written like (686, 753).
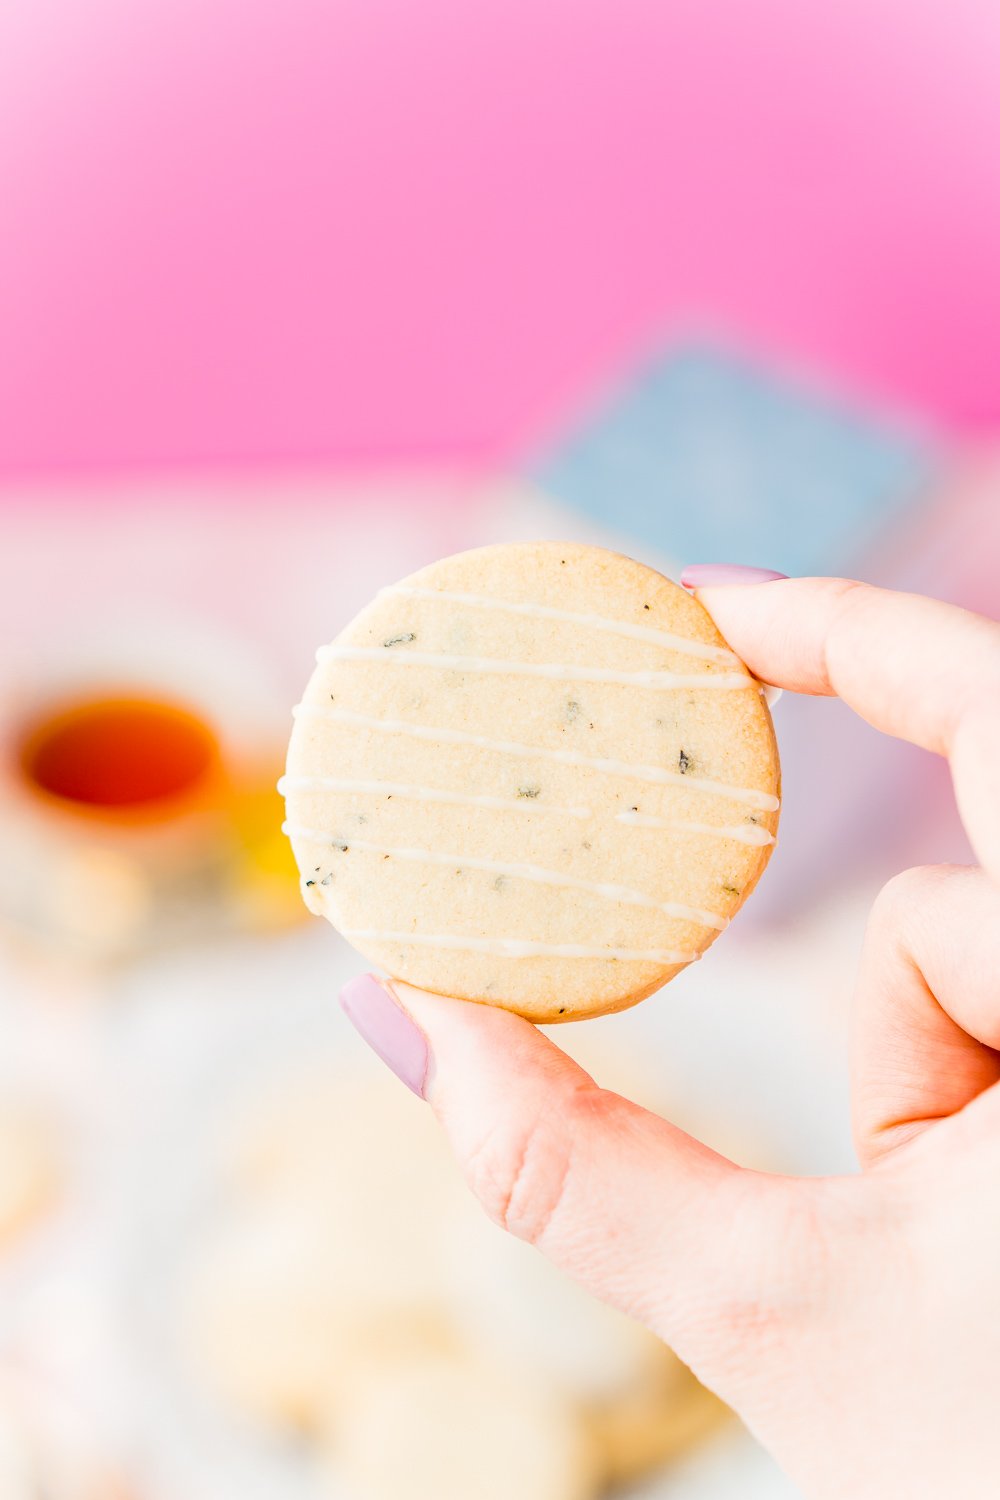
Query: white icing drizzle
(588, 622)
(609, 892)
(519, 947)
(423, 794)
(561, 671)
(743, 833)
(762, 801)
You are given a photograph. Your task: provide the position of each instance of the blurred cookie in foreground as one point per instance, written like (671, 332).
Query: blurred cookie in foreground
(326, 1250)
(534, 776)
(449, 1428)
(29, 1169)
(277, 1325)
(346, 1256)
(640, 1405)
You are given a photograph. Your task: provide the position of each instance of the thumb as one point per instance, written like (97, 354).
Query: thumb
(643, 1215)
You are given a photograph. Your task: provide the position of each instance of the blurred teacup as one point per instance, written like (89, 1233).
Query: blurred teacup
(138, 802)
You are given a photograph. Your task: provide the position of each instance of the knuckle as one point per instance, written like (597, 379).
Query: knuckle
(521, 1168)
(898, 897)
(847, 598)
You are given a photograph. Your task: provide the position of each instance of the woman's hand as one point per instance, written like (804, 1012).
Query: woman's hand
(854, 1322)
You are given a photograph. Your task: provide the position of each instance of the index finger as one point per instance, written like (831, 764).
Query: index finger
(916, 668)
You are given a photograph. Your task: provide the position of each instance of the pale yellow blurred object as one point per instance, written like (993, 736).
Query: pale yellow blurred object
(462, 1428)
(331, 1245)
(640, 1403)
(346, 1254)
(651, 1423)
(278, 1323)
(29, 1173)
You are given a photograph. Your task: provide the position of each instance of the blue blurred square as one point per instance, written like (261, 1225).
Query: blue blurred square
(710, 458)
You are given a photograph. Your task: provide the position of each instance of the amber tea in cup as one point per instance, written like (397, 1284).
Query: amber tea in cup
(123, 757)
(135, 822)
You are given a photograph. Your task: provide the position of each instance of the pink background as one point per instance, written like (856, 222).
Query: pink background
(244, 233)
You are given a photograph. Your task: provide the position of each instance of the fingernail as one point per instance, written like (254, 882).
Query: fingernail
(706, 575)
(390, 1033)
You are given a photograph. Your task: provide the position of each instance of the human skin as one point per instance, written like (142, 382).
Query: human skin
(853, 1322)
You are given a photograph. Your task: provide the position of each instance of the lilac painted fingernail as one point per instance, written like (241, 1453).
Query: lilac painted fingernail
(388, 1030)
(708, 575)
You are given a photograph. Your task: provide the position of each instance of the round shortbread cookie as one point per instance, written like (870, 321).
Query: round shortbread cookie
(532, 775)
(347, 1244)
(656, 1426)
(641, 1404)
(328, 1251)
(274, 1325)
